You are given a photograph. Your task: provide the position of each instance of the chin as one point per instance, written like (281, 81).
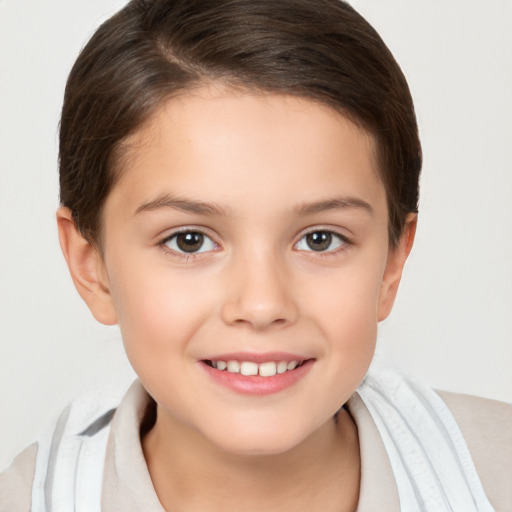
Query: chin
(263, 441)
(250, 448)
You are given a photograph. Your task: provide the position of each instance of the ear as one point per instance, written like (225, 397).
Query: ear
(87, 269)
(394, 266)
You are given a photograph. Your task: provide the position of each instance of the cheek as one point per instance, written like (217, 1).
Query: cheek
(157, 311)
(351, 327)
(347, 308)
(348, 301)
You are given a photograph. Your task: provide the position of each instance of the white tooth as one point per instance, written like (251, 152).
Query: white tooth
(222, 365)
(249, 368)
(268, 369)
(233, 366)
(282, 366)
(214, 364)
(292, 365)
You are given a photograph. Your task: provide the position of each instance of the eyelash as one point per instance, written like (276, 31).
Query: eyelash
(345, 243)
(184, 256)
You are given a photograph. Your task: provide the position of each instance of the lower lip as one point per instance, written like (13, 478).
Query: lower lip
(256, 385)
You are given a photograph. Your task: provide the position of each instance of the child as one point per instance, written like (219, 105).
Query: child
(239, 187)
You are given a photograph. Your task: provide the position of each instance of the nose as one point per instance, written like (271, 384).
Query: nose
(259, 294)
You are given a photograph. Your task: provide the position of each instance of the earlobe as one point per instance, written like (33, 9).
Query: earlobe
(87, 269)
(394, 267)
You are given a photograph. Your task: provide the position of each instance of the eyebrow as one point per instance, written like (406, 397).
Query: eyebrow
(336, 203)
(204, 208)
(185, 205)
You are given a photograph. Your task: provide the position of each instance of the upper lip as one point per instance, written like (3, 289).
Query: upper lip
(258, 357)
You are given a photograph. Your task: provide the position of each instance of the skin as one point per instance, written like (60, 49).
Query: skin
(272, 169)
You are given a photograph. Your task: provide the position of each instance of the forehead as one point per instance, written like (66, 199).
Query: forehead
(229, 144)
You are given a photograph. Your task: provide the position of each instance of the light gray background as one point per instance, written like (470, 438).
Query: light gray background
(452, 322)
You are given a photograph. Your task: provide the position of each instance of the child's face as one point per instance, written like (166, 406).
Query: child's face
(281, 255)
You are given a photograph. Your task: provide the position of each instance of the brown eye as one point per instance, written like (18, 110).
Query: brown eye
(190, 242)
(321, 241)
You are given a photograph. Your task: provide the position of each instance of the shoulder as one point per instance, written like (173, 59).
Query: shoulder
(78, 433)
(487, 428)
(16, 482)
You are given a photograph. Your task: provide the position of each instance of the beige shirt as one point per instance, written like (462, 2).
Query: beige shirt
(485, 424)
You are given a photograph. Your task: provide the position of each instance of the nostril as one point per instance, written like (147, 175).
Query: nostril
(260, 323)
(259, 307)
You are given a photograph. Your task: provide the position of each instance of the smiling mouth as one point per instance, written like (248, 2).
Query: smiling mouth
(250, 368)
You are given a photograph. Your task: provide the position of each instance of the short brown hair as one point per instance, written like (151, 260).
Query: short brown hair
(151, 50)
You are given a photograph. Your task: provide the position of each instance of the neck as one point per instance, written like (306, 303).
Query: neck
(189, 473)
